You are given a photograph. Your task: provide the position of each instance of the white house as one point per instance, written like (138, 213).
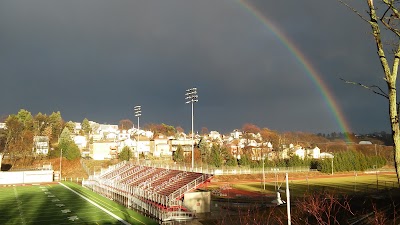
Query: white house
(123, 135)
(314, 153)
(77, 128)
(186, 145)
(111, 136)
(41, 145)
(160, 147)
(142, 146)
(236, 134)
(300, 152)
(214, 135)
(80, 141)
(103, 150)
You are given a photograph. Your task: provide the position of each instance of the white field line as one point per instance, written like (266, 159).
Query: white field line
(98, 206)
(21, 214)
(106, 205)
(112, 208)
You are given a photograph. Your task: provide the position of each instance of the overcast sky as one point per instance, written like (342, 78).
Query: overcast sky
(97, 59)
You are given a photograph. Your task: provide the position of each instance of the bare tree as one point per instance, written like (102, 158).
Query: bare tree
(322, 208)
(387, 17)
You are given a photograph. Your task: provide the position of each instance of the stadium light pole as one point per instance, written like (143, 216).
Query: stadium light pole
(138, 113)
(191, 98)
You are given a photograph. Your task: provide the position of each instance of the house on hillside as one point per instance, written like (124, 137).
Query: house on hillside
(236, 134)
(299, 152)
(77, 128)
(142, 147)
(160, 147)
(3, 126)
(215, 135)
(102, 150)
(303, 153)
(80, 141)
(123, 135)
(314, 153)
(41, 145)
(186, 145)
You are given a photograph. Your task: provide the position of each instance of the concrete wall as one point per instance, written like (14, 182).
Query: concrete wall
(26, 177)
(198, 202)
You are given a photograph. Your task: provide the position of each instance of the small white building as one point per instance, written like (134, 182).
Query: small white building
(300, 152)
(186, 145)
(80, 141)
(314, 153)
(77, 128)
(326, 155)
(160, 147)
(236, 134)
(123, 135)
(103, 150)
(41, 145)
(215, 135)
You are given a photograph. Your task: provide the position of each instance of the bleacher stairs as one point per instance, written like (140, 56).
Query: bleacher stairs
(153, 191)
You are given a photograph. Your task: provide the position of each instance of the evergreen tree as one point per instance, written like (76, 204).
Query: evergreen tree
(215, 156)
(68, 147)
(244, 160)
(125, 154)
(178, 154)
(56, 124)
(204, 150)
(86, 129)
(228, 158)
(71, 126)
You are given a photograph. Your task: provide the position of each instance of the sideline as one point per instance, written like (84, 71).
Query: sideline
(95, 204)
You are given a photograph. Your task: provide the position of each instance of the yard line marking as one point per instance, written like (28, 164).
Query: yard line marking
(65, 211)
(73, 218)
(98, 206)
(21, 213)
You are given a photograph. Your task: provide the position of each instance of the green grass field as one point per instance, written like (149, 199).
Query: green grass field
(56, 204)
(349, 184)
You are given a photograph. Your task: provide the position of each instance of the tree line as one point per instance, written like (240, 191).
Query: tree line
(17, 140)
(219, 156)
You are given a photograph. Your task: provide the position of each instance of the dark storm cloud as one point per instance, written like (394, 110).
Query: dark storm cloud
(97, 59)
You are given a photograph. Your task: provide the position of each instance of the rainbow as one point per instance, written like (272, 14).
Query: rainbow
(311, 72)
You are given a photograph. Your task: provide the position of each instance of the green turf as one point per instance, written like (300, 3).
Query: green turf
(348, 184)
(55, 204)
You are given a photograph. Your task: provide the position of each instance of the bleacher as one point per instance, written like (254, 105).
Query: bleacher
(154, 191)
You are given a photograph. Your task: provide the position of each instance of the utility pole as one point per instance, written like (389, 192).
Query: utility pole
(376, 168)
(61, 164)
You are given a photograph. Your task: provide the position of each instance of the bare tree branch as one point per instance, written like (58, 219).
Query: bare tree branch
(354, 10)
(371, 88)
